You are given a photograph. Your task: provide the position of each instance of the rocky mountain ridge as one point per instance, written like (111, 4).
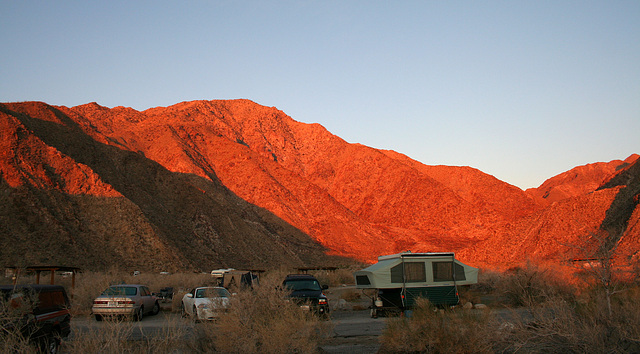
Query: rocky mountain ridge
(207, 183)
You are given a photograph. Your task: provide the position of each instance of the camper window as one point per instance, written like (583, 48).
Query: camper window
(443, 271)
(362, 280)
(396, 274)
(460, 275)
(415, 273)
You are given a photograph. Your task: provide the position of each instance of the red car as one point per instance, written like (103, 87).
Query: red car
(37, 313)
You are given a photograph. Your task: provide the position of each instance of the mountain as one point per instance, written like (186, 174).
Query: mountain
(203, 184)
(72, 195)
(577, 181)
(591, 216)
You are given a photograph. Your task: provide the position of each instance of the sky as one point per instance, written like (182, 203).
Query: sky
(521, 90)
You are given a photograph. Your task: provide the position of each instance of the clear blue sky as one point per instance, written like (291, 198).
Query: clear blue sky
(522, 90)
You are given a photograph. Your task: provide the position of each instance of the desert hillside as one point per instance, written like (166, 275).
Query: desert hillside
(578, 181)
(204, 184)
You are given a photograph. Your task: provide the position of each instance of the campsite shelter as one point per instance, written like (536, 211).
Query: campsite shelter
(16, 272)
(401, 278)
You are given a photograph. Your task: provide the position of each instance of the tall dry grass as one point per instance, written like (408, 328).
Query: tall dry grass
(262, 320)
(11, 339)
(123, 337)
(531, 284)
(558, 326)
(338, 277)
(544, 314)
(433, 330)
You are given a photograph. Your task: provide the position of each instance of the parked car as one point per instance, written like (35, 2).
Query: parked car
(205, 303)
(125, 300)
(307, 293)
(37, 313)
(165, 294)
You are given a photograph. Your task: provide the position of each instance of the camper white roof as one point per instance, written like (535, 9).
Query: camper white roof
(221, 271)
(419, 254)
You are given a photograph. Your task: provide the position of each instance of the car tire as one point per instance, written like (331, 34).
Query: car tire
(140, 314)
(98, 317)
(195, 314)
(156, 309)
(50, 344)
(183, 311)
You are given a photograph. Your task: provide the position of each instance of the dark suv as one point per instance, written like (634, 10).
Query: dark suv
(307, 292)
(37, 313)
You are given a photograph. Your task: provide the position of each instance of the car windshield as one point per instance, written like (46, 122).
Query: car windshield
(121, 290)
(211, 292)
(306, 284)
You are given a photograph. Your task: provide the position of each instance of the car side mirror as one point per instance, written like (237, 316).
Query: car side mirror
(189, 295)
(325, 287)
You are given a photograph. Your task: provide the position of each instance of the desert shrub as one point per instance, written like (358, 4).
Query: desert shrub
(626, 318)
(432, 330)
(337, 277)
(553, 326)
(488, 281)
(559, 326)
(11, 340)
(117, 336)
(262, 320)
(548, 318)
(112, 337)
(549, 327)
(275, 276)
(530, 284)
(621, 327)
(175, 280)
(12, 343)
(176, 301)
(484, 292)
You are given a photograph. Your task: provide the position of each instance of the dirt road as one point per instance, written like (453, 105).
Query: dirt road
(150, 326)
(353, 331)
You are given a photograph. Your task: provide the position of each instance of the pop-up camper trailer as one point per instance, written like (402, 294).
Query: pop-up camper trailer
(399, 279)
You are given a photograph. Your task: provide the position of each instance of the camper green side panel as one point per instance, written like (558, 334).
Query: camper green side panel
(437, 295)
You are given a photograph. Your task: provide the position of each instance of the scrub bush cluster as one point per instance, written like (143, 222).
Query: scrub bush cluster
(541, 313)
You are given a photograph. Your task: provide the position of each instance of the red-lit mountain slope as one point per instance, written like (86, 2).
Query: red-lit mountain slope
(175, 164)
(71, 195)
(500, 199)
(353, 199)
(573, 227)
(577, 181)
